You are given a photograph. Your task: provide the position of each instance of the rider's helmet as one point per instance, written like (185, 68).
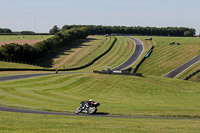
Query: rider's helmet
(90, 100)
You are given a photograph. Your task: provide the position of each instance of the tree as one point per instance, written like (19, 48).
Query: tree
(54, 30)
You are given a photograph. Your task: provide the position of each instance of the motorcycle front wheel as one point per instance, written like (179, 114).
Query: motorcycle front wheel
(78, 110)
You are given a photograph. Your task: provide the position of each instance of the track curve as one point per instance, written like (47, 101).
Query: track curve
(135, 55)
(174, 73)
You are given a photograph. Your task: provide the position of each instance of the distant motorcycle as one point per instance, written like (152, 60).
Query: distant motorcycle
(86, 108)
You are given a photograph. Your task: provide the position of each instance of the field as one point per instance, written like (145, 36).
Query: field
(166, 57)
(4, 38)
(30, 39)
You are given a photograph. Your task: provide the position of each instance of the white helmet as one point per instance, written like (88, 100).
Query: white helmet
(90, 100)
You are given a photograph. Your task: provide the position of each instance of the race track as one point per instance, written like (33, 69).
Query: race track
(182, 68)
(9, 109)
(5, 78)
(135, 55)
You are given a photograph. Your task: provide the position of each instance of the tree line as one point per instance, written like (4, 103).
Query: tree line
(150, 31)
(5, 30)
(28, 53)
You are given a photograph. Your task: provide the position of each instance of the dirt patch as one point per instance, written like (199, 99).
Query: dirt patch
(30, 42)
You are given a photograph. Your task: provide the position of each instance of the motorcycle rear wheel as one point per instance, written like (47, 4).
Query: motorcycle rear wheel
(92, 110)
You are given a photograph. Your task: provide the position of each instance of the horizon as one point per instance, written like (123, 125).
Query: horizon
(41, 16)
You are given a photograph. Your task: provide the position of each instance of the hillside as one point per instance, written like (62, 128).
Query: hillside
(166, 57)
(118, 95)
(4, 64)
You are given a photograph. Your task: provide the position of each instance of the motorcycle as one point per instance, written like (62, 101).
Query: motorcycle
(88, 109)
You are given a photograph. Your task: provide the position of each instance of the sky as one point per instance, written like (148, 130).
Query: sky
(41, 15)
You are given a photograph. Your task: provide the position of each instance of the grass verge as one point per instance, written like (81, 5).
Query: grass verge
(17, 123)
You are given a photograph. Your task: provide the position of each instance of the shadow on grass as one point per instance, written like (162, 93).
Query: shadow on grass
(47, 61)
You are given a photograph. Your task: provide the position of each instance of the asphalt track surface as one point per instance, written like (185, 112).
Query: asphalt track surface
(135, 55)
(9, 109)
(183, 67)
(23, 76)
(5, 78)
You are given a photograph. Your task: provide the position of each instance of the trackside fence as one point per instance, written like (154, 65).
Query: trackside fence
(146, 56)
(194, 73)
(115, 73)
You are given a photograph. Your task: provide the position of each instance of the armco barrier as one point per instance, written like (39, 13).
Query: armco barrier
(114, 73)
(69, 69)
(146, 56)
(189, 76)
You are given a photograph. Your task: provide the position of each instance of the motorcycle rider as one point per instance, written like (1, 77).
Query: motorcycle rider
(86, 104)
(90, 102)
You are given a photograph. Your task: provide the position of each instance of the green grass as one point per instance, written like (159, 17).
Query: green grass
(165, 57)
(18, 123)
(121, 51)
(83, 52)
(118, 95)
(22, 37)
(17, 65)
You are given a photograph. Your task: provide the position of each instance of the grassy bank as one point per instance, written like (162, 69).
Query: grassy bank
(121, 51)
(83, 52)
(118, 95)
(17, 65)
(166, 57)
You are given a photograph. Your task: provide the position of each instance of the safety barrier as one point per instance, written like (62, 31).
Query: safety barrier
(189, 76)
(118, 73)
(146, 56)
